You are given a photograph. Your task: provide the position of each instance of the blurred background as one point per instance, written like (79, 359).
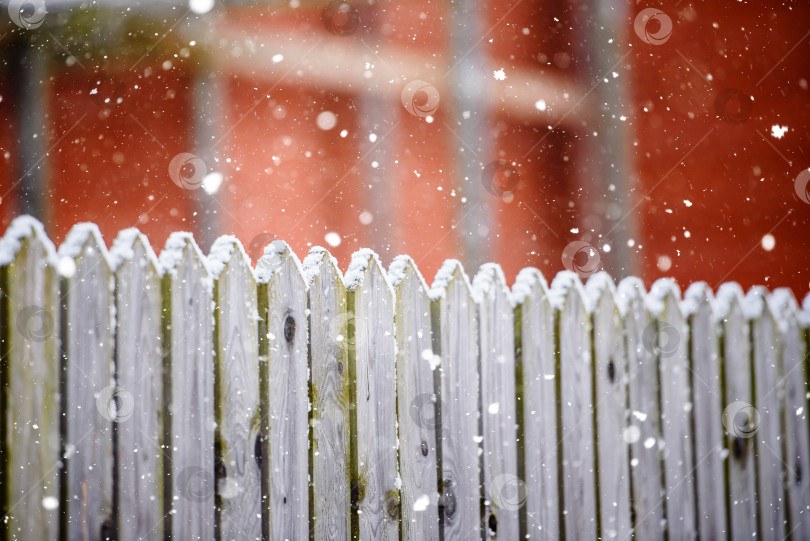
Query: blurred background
(652, 139)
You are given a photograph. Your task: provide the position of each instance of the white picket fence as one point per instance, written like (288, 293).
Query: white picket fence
(193, 397)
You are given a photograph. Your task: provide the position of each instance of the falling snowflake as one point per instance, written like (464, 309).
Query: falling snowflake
(499, 75)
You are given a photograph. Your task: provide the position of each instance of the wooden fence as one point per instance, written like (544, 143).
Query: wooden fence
(193, 397)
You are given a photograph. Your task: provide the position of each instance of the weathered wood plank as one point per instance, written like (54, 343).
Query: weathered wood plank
(707, 403)
(536, 388)
(417, 402)
(668, 340)
(138, 393)
(735, 353)
(792, 348)
(88, 386)
(372, 347)
(504, 491)
(455, 330)
(29, 376)
(610, 394)
(643, 432)
(576, 423)
(283, 308)
(768, 397)
(236, 387)
(330, 415)
(188, 387)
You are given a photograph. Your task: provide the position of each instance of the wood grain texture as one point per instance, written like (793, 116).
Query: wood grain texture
(372, 347)
(236, 385)
(537, 365)
(577, 437)
(735, 353)
(330, 415)
(768, 401)
(455, 325)
(644, 425)
(710, 451)
(87, 348)
(670, 344)
(504, 491)
(188, 389)
(417, 403)
(287, 395)
(138, 394)
(29, 373)
(610, 393)
(792, 348)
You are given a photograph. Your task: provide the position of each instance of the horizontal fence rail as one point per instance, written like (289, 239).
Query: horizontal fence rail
(188, 396)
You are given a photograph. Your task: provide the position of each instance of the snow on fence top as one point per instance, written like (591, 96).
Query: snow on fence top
(192, 396)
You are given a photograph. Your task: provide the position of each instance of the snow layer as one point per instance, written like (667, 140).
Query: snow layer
(598, 284)
(122, 249)
(172, 252)
(438, 289)
(489, 277)
(79, 235)
(527, 280)
(696, 294)
(311, 266)
(629, 291)
(563, 284)
(754, 304)
(727, 295)
(20, 228)
(222, 252)
(361, 260)
(656, 298)
(277, 250)
(397, 271)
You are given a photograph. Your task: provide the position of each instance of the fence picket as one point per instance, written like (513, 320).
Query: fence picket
(236, 388)
(372, 347)
(188, 388)
(29, 384)
(669, 341)
(504, 491)
(610, 396)
(188, 397)
(416, 398)
(283, 308)
(792, 348)
(139, 388)
(88, 384)
(537, 371)
(735, 353)
(703, 350)
(455, 331)
(768, 392)
(643, 432)
(330, 420)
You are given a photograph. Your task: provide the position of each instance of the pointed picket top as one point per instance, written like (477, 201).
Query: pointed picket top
(277, 257)
(597, 287)
(226, 251)
(629, 292)
(176, 247)
(729, 298)
(318, 262)
(528, 280)
(784, 306)
(124, 249)
(451, 271)
(362, 262)
(84, 236)
(22, 228)
(662, 293)
(489, 279)
(566, 285)
(697, 295)
(400, 269)
(755, 303)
